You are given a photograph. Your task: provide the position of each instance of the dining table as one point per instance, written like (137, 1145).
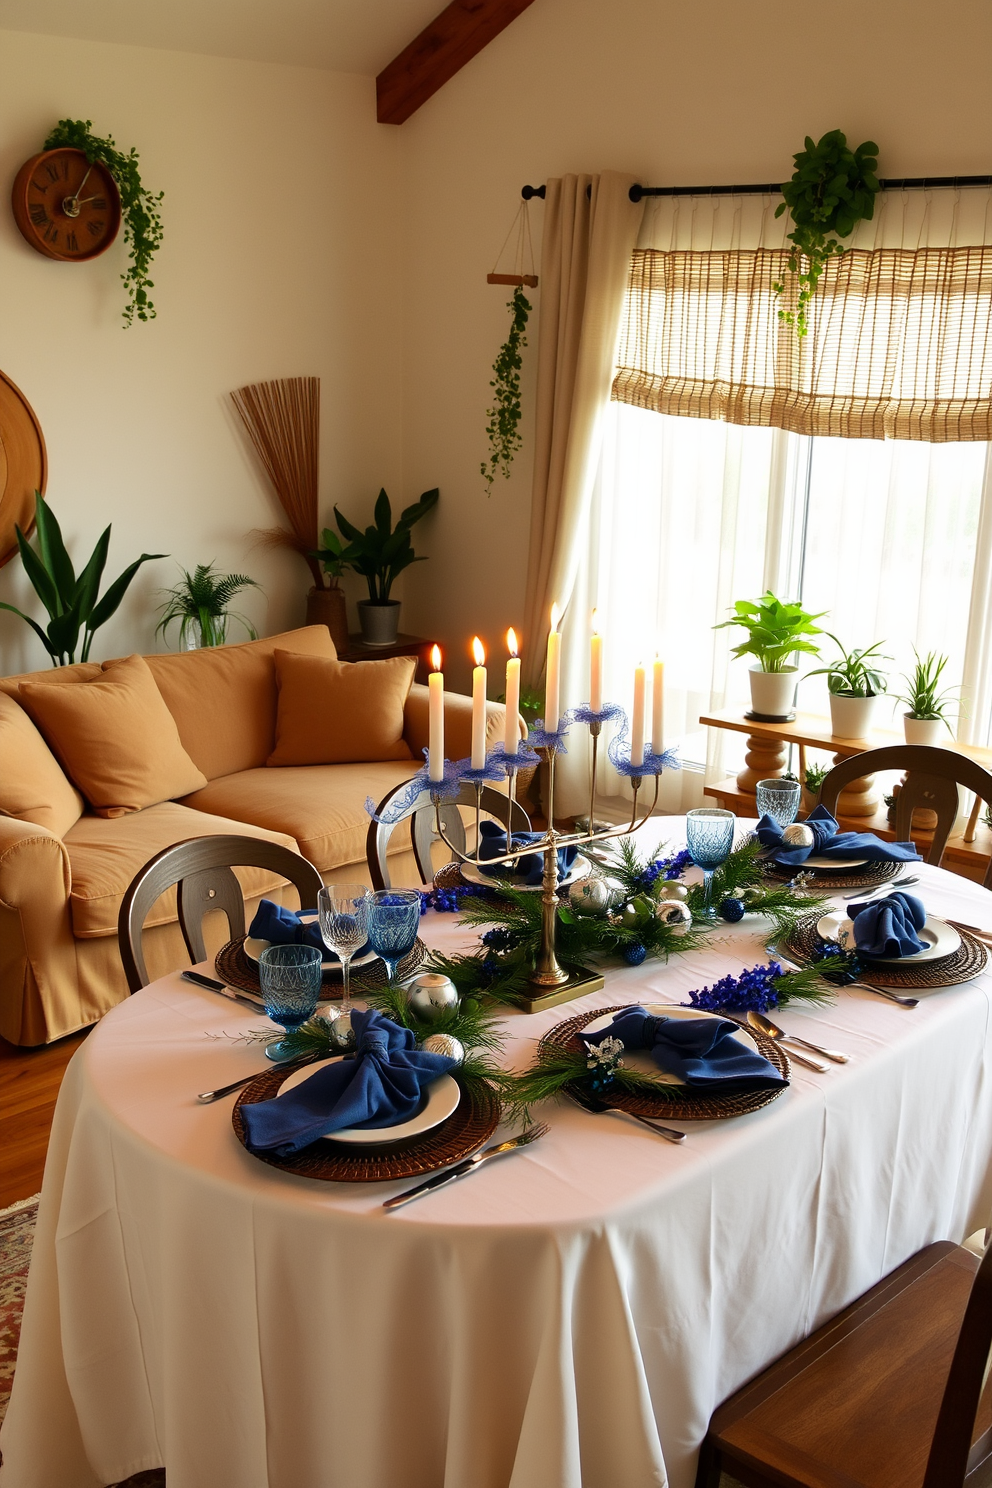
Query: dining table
(566, 1317)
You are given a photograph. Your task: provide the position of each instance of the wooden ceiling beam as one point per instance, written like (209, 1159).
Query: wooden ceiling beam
(453, 38)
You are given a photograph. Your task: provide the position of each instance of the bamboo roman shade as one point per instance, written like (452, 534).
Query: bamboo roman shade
(899, 345)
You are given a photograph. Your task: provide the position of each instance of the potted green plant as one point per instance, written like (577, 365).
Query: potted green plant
(926, 706)
(379, 554)
(775, 632)
(200, 603)
(813, 778)
(854, 681)
(75, 606)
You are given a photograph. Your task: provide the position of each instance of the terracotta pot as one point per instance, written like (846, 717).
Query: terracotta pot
(380, 621)
(327, 607)
(850, 717)
(773, 694)
(923, 730)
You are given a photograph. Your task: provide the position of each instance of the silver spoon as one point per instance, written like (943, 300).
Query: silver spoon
(765, 1025)
(771, 1031)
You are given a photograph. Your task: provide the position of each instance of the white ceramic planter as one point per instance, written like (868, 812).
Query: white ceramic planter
(850, 717)
(773, 694)
(924, 730)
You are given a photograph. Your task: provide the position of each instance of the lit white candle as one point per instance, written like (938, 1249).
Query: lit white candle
(552, 689)
(637, 719)
(478, 706)
(435, 704)
(658, 706)
(511, 738)
(596, 668)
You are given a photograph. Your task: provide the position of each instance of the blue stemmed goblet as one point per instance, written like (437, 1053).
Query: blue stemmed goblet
(394, 919)
(290, 981)
(709, 836)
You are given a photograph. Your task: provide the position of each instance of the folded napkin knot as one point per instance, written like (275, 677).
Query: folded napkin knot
(887, 926)
(281, 926)
(381, 1086)
(702, 1052)
(529, 868)
(829, 842)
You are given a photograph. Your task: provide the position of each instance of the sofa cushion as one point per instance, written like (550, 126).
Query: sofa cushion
(104, 857)
(82, 671)
(223, 698)
(322, 806)
(33, 787)
(115, 737)
(337, 712)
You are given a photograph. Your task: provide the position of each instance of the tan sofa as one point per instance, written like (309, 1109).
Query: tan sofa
(60, 895)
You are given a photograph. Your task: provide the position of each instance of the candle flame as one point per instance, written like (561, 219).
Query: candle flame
(555, 615)
(479, 652)
(595, 622)
(436, 658)
(511, 641)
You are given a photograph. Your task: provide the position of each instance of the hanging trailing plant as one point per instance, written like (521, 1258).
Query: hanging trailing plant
(505, 414)
(139, 207)
(832, 189)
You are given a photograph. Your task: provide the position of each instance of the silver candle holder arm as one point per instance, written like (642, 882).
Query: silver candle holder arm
(550, 982)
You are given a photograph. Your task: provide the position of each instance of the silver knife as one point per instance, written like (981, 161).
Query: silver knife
(223, 990)
(468, 1166)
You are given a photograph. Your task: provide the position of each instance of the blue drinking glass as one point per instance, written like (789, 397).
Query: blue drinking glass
(779, 799)
(709, 836)
(290, 980)
(394, 919)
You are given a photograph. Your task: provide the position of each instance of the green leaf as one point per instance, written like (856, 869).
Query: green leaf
(42, 636)
(351, 533)
(88, 587)
(41, 579)
(52, 550)
(383, 515)
(110, 601)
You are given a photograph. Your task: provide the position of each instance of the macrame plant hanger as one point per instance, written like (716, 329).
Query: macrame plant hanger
(523, 253)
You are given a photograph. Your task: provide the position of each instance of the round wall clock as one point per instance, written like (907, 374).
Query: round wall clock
(65, 206)
(23, 465)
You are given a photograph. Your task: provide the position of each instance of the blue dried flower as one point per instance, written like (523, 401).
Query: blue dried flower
(752, 989)
(499, 939)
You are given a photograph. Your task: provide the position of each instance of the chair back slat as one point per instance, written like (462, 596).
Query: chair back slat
(932, 779)
(947, 1464)
(493, 803)
(201, 870)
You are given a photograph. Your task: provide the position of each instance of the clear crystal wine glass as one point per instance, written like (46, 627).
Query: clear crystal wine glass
(779, 799)
(289, 976)
(709, 835)
(394, 919)
(343, 911)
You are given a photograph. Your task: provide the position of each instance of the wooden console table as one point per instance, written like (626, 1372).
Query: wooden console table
(404, 645)
(860, 808)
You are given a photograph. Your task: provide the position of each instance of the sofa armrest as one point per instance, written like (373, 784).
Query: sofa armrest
(457, 723)
(37, 951)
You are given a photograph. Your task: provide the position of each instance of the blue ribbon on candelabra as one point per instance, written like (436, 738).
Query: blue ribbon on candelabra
(653, 764)
(554, 739)
(510, 763)
(456, 774)
(585, 714)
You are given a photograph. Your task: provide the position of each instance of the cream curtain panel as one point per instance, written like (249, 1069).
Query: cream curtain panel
(590, 231)
(899, 347)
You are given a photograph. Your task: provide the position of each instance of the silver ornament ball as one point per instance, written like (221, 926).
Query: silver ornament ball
(676, 915)
(446, 1044)
(342, 1033)
(669, 888)
(589, 895)
(430, 994)
(798, 834)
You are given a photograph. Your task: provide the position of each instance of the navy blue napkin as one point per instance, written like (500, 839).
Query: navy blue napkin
(887, 927)
(530, 867)
(380, 1086)
(280, 926)
(701, 1051)
(829, 843)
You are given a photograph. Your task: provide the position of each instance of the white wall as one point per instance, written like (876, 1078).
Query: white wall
(279, 259)
(679, 94)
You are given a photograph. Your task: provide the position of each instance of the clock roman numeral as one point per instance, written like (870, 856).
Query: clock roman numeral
(71, 243)
(99, 204)
(95, 228)
(53, 169)
(38, 215)
(51, 234)
(41, 186)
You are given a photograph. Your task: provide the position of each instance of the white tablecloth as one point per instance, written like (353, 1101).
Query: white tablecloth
(570, 1316)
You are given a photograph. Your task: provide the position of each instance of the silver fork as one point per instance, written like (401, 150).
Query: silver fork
(880, 893)
(906, 1002)
(206, 1096)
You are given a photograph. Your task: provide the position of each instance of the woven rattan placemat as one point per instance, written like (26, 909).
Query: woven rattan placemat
(471, 1124)
(237, 970)
(681, 1105)
(968, 961)
(868, 877)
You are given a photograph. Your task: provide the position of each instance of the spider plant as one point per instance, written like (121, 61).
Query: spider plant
(923, 697)
(200, 603)
(855, 673)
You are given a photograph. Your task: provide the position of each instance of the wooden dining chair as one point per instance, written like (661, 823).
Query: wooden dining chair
(202, 871)
(889, 1394)
(421, 816)
(932, 779)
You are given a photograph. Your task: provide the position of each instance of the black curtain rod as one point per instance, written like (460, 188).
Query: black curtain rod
(893, 183)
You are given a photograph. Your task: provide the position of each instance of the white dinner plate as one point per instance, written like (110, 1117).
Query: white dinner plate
(442, 1097)
(940, 939)
(474, 875)
(641, 1060)
(817, 860)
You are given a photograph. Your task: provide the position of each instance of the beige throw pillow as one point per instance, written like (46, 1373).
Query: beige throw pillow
(337, 712)
(33, 787)
(115, 737)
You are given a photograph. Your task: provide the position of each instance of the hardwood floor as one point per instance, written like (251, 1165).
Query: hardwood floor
(29, 1086)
